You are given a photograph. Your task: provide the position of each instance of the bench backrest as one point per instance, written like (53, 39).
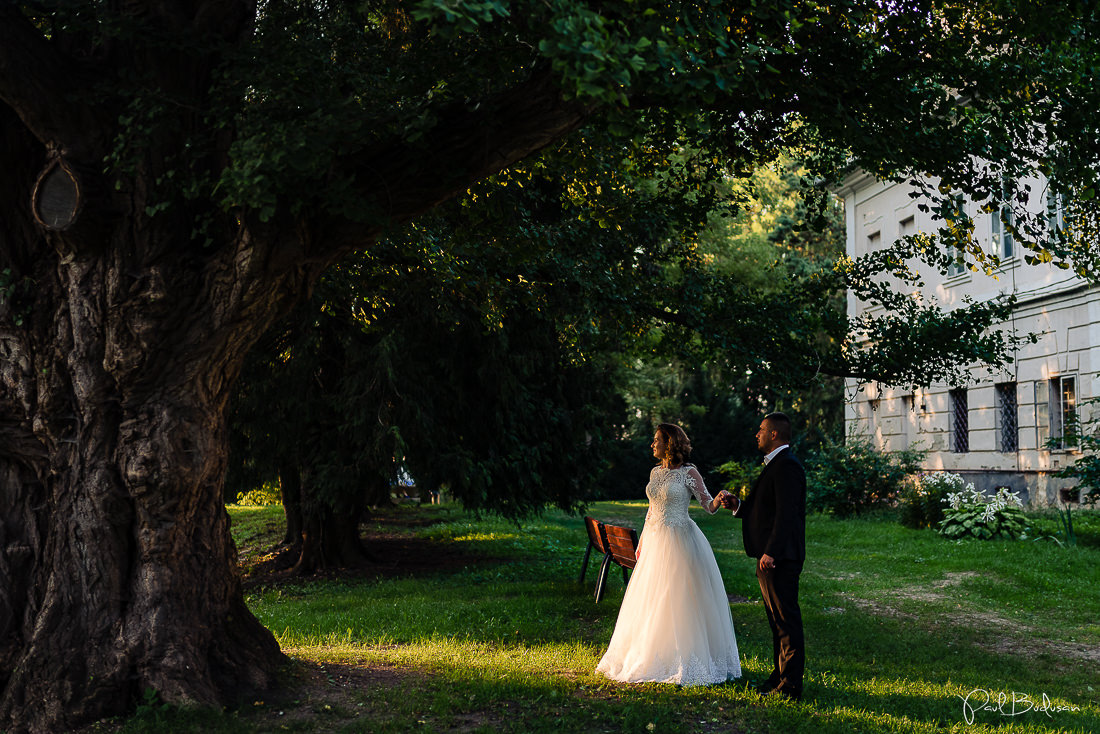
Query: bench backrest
(595, 535)
(622, 544)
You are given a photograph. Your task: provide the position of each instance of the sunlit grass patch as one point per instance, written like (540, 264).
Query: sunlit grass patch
(901, 626)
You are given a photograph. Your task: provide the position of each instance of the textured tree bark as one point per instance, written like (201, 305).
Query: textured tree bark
(118, 569)
(118, 348)
(290, 482)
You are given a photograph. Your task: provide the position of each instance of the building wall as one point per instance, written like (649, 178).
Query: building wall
(1060, 308)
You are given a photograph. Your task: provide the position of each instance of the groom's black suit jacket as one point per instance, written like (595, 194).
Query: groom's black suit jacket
(773, 516)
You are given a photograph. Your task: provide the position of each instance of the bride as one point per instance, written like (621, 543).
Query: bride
(675, 624)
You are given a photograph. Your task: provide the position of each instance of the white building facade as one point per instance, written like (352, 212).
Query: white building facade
(996, 430)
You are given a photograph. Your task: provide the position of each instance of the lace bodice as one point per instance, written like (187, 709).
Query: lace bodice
(670, 491)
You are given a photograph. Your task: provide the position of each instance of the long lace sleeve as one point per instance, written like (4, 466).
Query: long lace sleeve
(694, 482)
(649, 505)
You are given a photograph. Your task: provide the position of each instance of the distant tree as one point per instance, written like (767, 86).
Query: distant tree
(764, 245)
(353, 394)
(474, 349)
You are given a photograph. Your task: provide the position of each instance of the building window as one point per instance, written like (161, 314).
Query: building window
(958, 257)
(906, 418)
(958, 265)
(1042, 414)
(959, 418)
(1056, 412)
(1003, 242)
(1006, 417)
(1001, 221)
(1063, 411)
(1055, 214)
(907, 227)
(873, 241)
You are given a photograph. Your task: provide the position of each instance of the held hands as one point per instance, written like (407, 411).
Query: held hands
(729, 501)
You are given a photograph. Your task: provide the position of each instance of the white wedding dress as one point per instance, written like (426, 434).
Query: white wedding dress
(675, 624)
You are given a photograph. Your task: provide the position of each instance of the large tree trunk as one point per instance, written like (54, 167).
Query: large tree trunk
(118, 569)
(118, 349)
(330, 534)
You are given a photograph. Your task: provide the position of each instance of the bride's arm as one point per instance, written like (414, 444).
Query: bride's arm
(699, 489)
(638, 547)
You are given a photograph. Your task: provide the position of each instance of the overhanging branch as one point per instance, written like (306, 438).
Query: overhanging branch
(403, 179)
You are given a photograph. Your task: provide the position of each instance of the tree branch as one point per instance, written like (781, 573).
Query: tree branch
(403, 179)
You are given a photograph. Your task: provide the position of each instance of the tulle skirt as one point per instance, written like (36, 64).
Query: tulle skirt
(674, 625)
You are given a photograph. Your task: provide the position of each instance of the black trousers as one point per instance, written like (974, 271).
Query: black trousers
(779, 586)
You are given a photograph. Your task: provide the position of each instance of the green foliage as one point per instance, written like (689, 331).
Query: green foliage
(970, 514)
(1065, 517)
(740, 476)
(1056, 524)
(921, 501)
(150, 707)
(690, 97)
(694, 96)
(853, 478)
(437, 355)
(761, 245)
(440, 310)
(16, 296)
(268, 494)
(699, 92)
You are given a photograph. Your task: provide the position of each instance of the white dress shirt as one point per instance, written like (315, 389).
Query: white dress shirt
(771, 454)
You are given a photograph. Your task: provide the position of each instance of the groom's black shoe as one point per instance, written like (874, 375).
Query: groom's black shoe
(784, 693)
(767, 686)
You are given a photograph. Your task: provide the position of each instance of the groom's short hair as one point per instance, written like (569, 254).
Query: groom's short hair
(781, 424)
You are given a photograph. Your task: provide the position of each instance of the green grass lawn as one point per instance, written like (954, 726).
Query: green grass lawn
(901, 626)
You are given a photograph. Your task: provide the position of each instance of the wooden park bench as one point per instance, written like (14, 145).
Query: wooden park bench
(619, 545)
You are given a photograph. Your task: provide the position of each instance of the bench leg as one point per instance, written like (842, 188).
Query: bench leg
(626, 579)
(601, 582)
(584, 563)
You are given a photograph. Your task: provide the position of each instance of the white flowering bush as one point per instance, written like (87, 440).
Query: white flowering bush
(921, 503)
(969, 513)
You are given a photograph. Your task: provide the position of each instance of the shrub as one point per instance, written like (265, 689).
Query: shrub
(970, 514)
(739, 476)
(921, 502)
(852, 478)
(268, 494)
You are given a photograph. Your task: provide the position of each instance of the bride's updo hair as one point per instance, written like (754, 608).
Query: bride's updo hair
(677, 445)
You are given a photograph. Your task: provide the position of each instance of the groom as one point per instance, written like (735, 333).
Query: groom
(774, 530)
